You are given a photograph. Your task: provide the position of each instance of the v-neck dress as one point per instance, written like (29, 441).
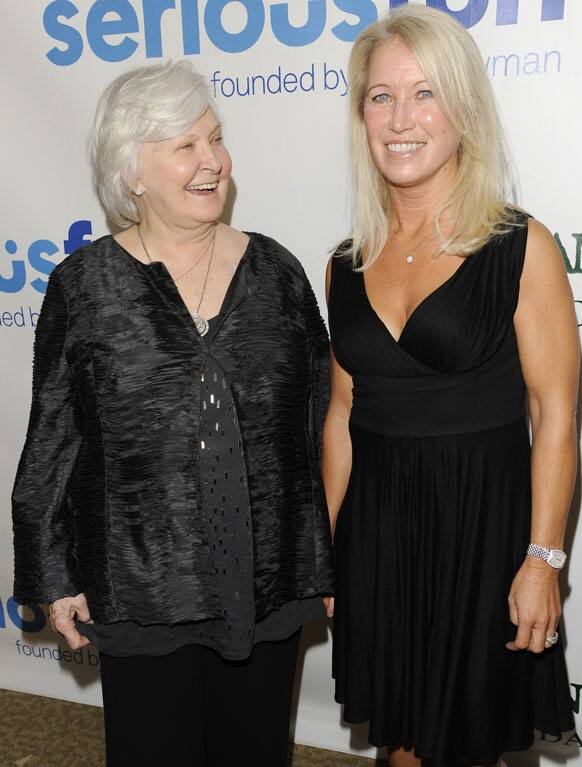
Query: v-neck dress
(229, 527)
(436, 519)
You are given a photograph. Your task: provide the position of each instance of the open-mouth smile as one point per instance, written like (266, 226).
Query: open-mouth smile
(204, 189)
(406, 148)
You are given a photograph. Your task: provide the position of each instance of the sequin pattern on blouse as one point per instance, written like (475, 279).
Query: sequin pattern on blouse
(227, 511)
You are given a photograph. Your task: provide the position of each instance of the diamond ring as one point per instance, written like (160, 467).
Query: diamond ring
(553, 640)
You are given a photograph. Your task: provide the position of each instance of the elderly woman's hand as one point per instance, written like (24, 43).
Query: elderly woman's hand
(534, 606)
(62, 617)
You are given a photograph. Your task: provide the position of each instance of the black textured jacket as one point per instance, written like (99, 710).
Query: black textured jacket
(106, 499)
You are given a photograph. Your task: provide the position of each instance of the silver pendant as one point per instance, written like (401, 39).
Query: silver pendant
(201, 324)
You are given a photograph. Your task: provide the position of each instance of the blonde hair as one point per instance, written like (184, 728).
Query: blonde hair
(149, 103)
(476, 203)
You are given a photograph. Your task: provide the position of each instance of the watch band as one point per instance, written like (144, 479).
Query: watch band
(556, 558)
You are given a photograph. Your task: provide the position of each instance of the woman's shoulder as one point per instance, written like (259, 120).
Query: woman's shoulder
(538, 234)
(511, 227)
(270, 251)
(543, 261)
(87, 255)
(502, 248)
(83, 260)
(525, 251)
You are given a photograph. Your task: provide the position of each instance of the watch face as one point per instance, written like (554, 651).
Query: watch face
(556, 558)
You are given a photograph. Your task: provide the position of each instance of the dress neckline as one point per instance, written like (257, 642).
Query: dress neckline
(419, 305)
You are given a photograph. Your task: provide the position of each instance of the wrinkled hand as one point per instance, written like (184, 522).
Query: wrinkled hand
(62, 615)
(328, 603)
(534, 605)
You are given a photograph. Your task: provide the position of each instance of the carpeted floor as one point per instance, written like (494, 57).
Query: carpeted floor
(44, 732)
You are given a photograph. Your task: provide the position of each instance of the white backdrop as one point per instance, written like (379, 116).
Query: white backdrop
(278, 73)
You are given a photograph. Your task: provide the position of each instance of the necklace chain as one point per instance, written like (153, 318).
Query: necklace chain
(207, 272)
(411, 256)
(190, 268)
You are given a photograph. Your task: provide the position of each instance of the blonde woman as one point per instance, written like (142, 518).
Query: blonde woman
(449, 312)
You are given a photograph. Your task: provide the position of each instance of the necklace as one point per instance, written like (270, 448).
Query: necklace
(200, 322)
(189, 269)
(411, 256)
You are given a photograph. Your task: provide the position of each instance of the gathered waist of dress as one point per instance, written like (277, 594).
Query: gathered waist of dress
(456, 403)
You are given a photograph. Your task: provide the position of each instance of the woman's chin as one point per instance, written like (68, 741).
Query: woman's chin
(206, 211)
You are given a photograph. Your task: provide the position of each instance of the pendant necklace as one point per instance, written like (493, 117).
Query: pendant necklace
(410, 258)
(200, 322)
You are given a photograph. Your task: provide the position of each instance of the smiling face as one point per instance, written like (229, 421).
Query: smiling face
(410, 139)
(183, 181)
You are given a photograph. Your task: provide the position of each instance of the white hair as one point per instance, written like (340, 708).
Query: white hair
(150, 103)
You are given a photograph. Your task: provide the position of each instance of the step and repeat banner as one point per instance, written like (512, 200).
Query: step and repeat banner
(278, 73)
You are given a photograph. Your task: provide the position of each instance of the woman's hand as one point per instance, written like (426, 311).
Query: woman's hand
(534, 605)
(62, 617)
(328, 603)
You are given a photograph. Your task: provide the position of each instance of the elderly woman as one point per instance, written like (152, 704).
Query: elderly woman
(449, 311)
(168, 502)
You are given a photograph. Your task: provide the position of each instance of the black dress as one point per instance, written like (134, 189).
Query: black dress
(436, 519)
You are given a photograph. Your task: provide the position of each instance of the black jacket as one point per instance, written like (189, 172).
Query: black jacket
(106, 499)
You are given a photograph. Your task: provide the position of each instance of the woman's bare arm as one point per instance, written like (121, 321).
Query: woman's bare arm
(548, 344)
(337, 446)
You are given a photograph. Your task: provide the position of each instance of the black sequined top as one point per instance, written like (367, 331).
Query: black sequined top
(110, 497)
(229, 525)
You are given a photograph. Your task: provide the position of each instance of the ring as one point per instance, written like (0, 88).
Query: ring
(553, 640)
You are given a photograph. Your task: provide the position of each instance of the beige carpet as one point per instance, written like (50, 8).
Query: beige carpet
(44, 732)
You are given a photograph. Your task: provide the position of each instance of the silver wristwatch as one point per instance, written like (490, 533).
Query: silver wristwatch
(554, 557)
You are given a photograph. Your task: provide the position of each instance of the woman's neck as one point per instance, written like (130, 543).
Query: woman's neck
(169, 241)
(413, 209)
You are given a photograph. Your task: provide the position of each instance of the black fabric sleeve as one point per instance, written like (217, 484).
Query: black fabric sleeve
(44, 561)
